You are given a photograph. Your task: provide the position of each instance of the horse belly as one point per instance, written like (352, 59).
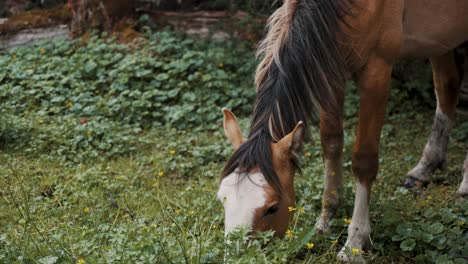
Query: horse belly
(434, 27)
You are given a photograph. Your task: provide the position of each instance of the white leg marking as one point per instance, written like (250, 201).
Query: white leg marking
(359, 229)
(435, 152)
(463, 190)
(330, 199)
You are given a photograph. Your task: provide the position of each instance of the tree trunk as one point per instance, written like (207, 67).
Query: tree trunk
(97, 14)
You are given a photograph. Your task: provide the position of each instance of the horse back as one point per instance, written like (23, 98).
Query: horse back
(433, 27)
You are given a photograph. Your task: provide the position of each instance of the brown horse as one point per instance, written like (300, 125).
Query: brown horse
(311, 49)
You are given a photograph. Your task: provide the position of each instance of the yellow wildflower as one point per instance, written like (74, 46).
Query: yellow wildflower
(301, 210)
(421, 203)
(89, 133)
(177, 211)
(307, 154)
(291, 209)
(40, 121)
(356, 251)
(80, 261)
(191, 212)
(289, 233)
(96, 92)
(347, 221)
(42, 50)
(310, 246)
(69, 104)
(143, 228)
(86, 210)
(334, 242)
(160, 173)
(461, 223)
(154, 225)
(172, 152)
(429, 197)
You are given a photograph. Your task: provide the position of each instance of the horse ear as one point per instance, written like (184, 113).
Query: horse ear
(292, 142)
(232, 129)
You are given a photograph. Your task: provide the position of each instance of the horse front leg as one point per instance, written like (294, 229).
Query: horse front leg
(373, 83)
(331, 137)
(463, 190)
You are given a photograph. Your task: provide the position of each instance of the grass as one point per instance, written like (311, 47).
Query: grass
(148, 208)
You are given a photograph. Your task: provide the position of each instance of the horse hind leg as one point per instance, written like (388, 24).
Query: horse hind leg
(447, 85)
(463, 190)
(463, 97)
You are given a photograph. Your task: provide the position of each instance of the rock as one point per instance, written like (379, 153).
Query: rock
(29, 36)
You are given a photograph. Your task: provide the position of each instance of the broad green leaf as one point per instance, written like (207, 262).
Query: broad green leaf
(48, 260)
(90, 66)
(435, 228)
(408, 244)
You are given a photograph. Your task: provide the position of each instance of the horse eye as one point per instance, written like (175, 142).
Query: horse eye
(271, 210)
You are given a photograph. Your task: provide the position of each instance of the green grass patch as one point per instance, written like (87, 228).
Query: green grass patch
(159, 206)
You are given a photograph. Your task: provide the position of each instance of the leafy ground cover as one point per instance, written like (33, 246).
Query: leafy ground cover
(111, 154)
(96, 99)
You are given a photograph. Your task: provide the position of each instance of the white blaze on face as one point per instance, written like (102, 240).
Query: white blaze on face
(241, 196)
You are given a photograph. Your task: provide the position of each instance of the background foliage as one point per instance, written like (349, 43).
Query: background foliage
(70, 94)
(73, 94)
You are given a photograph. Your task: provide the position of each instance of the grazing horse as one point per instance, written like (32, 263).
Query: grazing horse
(311, 49)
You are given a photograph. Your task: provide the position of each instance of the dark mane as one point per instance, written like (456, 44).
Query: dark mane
(300, 72)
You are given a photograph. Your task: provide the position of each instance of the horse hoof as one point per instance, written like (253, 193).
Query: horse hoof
(411, 182)
(322, 227)
(343, 257)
